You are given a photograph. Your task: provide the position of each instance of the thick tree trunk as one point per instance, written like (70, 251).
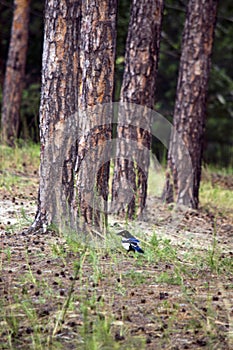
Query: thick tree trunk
(97, 56)
(77, 78)
(15, 71)
(129, 186)
(58, 113)
(186, 145)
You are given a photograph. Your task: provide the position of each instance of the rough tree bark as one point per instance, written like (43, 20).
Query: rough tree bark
(186, 144)
(77, 77)
(129, 187)
(15, 72)
(97, 56)
(58, 113)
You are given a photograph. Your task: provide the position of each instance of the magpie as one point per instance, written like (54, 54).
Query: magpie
(129, 242)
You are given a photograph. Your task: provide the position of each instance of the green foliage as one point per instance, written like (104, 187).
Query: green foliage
(216, 197)
(219, 131)
(170, 48)
(13, 161)
(29, 126)
(6, 11)
(122, 28)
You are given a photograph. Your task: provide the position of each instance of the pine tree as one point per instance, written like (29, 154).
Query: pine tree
(15, 72)
(186, 144)
(138, 87)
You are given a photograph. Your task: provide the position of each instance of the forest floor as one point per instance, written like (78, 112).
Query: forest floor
(58, 293)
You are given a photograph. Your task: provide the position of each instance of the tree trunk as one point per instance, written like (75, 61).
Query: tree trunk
(76, 80)
(15, 71)
(186, 144)
(129, 187)
(58, 113)
(97, 56)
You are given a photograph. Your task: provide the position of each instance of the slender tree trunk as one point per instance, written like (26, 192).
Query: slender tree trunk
(186, 144)
(129, 186)
(58, 113)
(97, 56)
(15, 71)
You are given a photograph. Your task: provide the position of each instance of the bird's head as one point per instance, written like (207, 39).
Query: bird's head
(125, 234)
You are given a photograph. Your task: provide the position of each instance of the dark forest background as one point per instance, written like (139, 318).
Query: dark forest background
(219, 130)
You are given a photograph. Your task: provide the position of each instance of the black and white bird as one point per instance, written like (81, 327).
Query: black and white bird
(129, 242)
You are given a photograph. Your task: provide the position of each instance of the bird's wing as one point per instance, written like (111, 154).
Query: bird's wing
(138, 249)
(125, 243)
(132, 240)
